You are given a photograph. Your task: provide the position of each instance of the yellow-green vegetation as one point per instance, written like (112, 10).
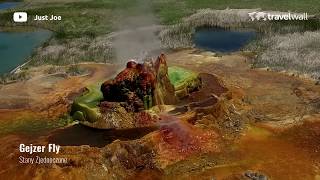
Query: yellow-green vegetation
(79, 18)
(183, 80)
(85, 107)
(172, 11)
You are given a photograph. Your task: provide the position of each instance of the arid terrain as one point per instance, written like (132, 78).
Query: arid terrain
(266, 123)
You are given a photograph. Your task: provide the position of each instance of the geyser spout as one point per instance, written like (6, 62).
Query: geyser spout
(141, 86)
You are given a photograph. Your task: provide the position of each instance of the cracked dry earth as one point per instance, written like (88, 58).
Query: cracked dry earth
(243, 124)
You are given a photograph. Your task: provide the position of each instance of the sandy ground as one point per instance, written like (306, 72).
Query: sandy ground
(49, 93)
(276, 99)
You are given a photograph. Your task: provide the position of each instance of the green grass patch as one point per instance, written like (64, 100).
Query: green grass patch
(88, 18)
(171, 11)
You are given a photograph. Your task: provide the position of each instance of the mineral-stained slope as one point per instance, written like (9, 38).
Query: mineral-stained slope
(242, 123)
(176, 140)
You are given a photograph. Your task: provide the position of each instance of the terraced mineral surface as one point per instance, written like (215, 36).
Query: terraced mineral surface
(243, 123)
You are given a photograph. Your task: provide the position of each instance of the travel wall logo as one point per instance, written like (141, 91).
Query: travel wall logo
(267, 16)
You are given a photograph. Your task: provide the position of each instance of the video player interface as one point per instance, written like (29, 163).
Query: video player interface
(160, 89)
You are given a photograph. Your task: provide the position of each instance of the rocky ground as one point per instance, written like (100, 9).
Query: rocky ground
(243, 124)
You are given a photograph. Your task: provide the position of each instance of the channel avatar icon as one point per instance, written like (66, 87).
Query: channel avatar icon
(20, 17)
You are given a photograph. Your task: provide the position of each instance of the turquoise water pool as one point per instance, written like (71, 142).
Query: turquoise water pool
(222, 40)
(8, 5)
(16, 47)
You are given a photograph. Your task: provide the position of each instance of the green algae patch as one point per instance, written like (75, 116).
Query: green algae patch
(85, 107)
(183, 80)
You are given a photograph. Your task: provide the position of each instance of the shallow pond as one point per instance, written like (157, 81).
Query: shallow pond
(78, 134)
(8, 5)
(222, 40)
(16, 47)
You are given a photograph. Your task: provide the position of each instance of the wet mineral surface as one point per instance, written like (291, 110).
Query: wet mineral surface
(241, 124)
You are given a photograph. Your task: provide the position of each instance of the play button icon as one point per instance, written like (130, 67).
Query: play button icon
(20, 17)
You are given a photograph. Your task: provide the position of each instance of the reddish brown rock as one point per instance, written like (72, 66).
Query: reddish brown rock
(141, 86)
(177, 140)
(145, 119)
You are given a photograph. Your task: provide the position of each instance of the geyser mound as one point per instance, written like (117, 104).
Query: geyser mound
(135, 96)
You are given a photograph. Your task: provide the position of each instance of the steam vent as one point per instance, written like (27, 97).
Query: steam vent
(135, 96)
